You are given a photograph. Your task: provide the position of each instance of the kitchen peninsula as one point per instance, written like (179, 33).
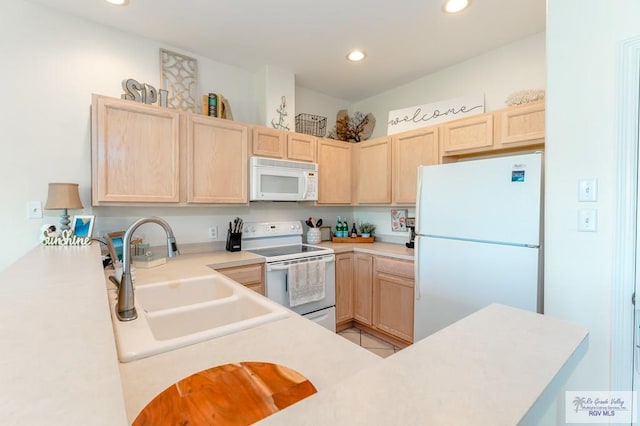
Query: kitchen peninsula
(60, 366)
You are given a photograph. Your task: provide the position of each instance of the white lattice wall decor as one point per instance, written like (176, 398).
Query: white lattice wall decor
(179, 75)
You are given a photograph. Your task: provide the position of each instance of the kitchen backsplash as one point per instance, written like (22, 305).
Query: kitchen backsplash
(191, 224)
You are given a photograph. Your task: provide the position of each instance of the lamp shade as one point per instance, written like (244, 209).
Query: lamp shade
(63, 196)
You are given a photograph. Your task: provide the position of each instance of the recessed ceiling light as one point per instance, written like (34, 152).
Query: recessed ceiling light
(455, 6)
(118, 2)
(356, 56)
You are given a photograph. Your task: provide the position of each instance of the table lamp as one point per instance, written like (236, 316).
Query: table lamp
(63, 196)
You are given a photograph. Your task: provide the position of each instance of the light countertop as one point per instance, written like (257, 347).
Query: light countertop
(60, 366)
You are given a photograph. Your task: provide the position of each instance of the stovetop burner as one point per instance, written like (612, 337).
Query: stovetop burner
(284, 250)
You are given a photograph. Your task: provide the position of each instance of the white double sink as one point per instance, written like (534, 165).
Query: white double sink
(177, 313)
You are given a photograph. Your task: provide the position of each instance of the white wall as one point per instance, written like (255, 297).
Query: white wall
(55, 62)
(582, 43)
(52, 64)
(311, 102)
(497, 74)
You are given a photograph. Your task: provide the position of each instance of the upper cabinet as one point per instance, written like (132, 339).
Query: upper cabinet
(301, 147)
(216, 161)
(372, 167)
(467, 134)
(510, 129)
(334, 172)
(145, 154)
(267, 142)
(412, 149)
(520, 125)
(135, 152)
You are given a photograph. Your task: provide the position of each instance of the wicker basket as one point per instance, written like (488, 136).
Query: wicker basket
(311, 124)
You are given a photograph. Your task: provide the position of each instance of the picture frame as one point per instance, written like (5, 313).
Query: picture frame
(399, 220)
(82, 225)
(115, 243)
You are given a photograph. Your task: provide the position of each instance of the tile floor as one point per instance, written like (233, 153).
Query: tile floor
(369, 342)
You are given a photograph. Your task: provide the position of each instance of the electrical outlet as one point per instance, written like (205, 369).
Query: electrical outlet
(34, 210)
(213, 232)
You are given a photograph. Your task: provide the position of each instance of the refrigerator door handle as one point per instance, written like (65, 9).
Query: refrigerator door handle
(416, 270)
(418, 230)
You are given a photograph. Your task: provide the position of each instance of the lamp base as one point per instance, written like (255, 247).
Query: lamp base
(65, 221)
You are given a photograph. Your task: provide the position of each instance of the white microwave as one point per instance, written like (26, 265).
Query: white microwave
(282, 180)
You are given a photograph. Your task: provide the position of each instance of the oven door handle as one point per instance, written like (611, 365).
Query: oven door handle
(278, 268)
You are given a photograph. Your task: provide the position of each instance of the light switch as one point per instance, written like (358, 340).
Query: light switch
(587, 190)
(587, 220)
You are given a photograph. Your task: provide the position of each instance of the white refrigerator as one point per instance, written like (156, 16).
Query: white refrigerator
(478, 238)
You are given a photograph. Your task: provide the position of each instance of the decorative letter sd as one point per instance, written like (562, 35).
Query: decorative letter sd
(144, 93)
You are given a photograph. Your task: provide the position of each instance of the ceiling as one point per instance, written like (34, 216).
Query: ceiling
(403, 39)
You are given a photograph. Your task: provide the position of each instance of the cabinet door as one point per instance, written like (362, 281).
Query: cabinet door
(410, 150)
(135, 152)
(251, 276)
(344, 287)
(301, 147)
(216, 161)
(393, 297)
(363, 282)
(334, 172)
(467, 134)
(373, 171)
(268, 142)
(521, 124)
(393, 305)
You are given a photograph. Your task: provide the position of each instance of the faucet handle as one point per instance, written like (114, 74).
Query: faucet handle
(114, 280)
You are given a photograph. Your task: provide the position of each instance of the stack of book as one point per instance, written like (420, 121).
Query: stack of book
(216, 105)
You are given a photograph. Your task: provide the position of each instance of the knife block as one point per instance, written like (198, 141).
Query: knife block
(234, 241)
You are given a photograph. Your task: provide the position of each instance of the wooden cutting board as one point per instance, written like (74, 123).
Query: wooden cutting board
(230, 394)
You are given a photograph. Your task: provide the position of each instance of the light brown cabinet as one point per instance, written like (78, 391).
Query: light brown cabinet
(382, 293)
(135, 152)
(301, 147)
(520, 125)
(267, 142)
(372, 166)
(251, 276)
(393, 297)
(145, 154)
(410, 150)
(344, 288)
(334, 172)
(216, 161)
(467, 134)
(363, 286)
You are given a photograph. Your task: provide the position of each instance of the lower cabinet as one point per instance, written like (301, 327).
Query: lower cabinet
(375, 291)
(363, 285)
(344, 288)
(393, 290)
(251, 276)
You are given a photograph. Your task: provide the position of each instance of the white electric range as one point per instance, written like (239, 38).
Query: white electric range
(280, 243)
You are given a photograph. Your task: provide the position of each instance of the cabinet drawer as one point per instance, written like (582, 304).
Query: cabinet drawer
(394, 267)
(246, 275)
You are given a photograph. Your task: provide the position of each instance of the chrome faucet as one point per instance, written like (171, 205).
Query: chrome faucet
(126, 310)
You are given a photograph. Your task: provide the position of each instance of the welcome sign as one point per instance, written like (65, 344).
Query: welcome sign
(401, 120)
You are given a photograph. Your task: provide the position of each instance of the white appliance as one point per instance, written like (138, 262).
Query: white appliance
(281, 245)
(478, 238)
(282, 180)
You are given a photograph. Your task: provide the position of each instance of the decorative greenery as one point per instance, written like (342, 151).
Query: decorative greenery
(367, 228)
